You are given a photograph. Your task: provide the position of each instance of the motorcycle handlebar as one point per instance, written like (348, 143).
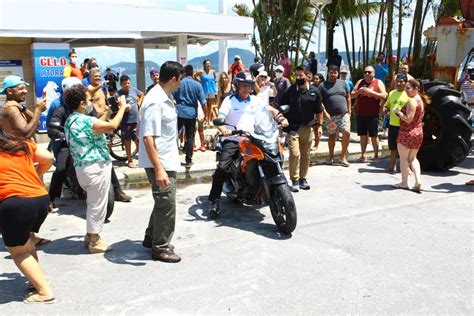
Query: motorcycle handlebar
(241, 133)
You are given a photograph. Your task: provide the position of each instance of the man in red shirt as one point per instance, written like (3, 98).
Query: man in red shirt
(236, 67)
(286, 63)
(370, 93)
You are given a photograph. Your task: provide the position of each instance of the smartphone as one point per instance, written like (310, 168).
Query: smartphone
(113, 104)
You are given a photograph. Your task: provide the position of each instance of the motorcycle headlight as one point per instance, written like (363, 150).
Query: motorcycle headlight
(271, 148)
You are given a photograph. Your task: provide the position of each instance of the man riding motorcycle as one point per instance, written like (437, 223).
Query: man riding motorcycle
(238, 109)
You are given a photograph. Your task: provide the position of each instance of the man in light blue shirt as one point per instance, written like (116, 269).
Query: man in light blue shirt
(188, 97)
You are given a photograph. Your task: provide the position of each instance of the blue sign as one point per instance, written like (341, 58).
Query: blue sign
(49, 63)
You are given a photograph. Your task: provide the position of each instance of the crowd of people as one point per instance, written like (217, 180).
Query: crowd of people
(181, 98)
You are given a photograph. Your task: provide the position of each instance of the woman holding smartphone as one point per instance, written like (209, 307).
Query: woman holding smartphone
(410, 136)
(88, 146)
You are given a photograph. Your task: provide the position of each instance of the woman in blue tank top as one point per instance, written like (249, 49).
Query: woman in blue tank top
(207, 76)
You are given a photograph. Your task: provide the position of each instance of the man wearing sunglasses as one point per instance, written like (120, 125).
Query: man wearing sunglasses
(370, 94)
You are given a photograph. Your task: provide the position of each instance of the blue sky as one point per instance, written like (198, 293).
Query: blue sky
(114, 55)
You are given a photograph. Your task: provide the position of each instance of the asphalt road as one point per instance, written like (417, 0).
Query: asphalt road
(360, 247)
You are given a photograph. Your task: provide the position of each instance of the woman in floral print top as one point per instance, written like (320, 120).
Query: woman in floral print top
(88, 147)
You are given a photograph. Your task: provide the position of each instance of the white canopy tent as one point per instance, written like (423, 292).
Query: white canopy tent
(85, 24)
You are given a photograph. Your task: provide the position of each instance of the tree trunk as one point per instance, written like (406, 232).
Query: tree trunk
(399, 44)
(417, 36)
(330, 26)
(378, 29)
(311, 33)
(353, 43)
(346, 42)
(367, 34)
(363, 40)
(389, 36)
(382, 27)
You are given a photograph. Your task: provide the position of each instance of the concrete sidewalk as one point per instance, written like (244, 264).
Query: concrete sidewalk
(204, 163)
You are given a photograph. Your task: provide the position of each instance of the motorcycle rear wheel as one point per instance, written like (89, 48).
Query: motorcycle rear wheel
(283, 209)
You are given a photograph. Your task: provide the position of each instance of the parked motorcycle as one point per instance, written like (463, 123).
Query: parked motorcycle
(257, 177)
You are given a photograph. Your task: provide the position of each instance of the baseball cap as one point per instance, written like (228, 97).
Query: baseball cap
(69, 82)
(279, 68)
(154, 71)
(343, 71)
(262, 73)
(12, 81)
(402, 77)
(237, 57)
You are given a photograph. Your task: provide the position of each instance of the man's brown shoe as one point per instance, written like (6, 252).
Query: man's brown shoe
(120, 196)
(165, 255)
(147, 243)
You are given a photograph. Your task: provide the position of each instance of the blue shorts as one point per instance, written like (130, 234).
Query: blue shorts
(129, 131)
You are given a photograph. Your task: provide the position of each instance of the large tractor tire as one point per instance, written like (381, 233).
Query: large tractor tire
(446, 127)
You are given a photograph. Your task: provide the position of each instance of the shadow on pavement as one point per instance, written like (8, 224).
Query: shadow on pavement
(379, 187)
(12, 287)
(235, 215)
(451, 188)
(71, 207)
(70, 245)
(128, 252)
(368, 170)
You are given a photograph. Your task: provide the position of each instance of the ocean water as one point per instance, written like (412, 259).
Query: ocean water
(133, 80)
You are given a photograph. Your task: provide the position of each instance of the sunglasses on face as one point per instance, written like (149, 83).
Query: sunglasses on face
(367, 72)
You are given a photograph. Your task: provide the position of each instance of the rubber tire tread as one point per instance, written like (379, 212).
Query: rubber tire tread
(281, 194)
(454, 141)
(110, 203)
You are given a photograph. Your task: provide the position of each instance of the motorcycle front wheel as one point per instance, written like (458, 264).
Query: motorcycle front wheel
(283, 209)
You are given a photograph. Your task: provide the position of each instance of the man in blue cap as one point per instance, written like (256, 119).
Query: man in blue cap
(15, 117)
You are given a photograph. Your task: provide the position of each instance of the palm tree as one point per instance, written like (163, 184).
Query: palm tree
(388, 36)
(340, 11)
(280, 26)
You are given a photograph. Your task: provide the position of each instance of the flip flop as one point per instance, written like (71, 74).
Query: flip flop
(417, 189)
(40, 242)
(344, 163)
(398, 186)
(361, 160)
(34, 298)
